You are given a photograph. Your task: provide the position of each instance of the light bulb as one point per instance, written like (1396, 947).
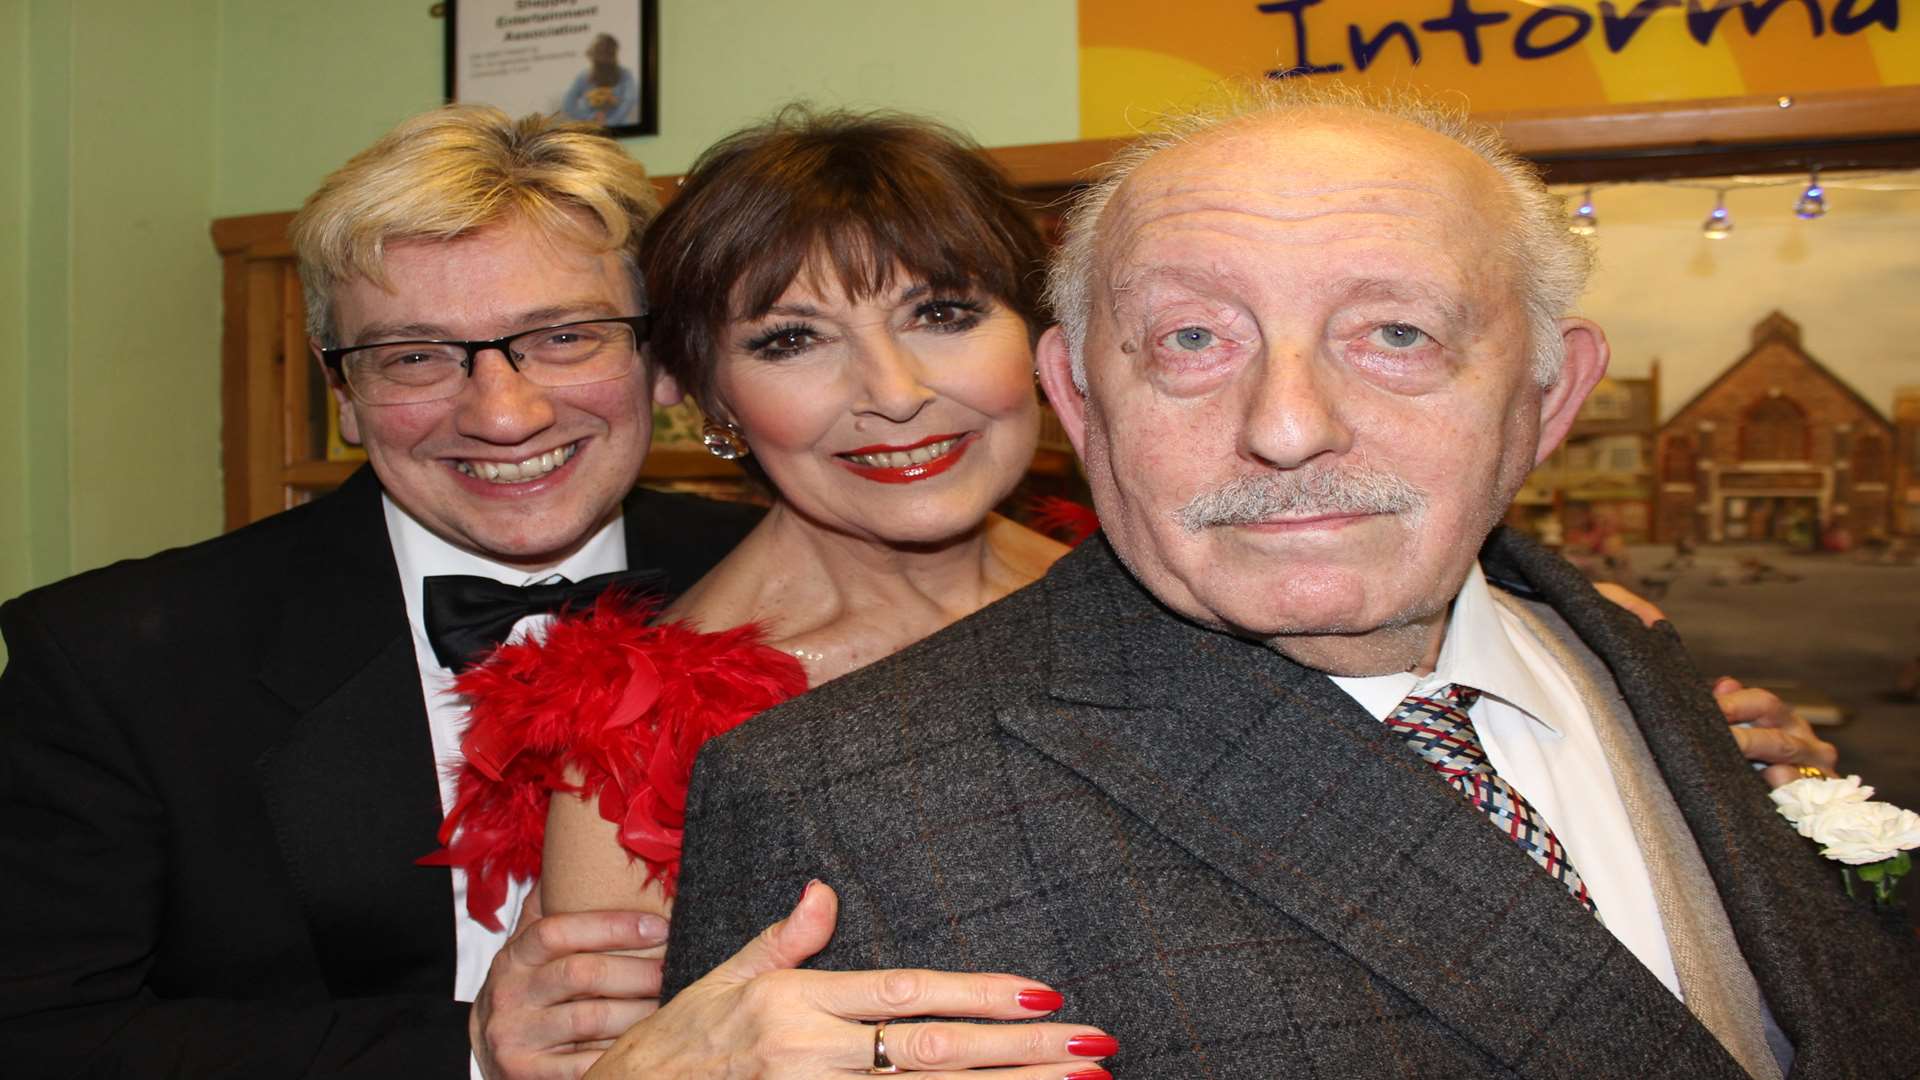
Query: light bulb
(1813, 201)
(1584, 222)
(1719, 223)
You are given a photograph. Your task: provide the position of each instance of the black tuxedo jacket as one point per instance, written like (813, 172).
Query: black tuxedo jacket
(215, 777)
(1220, 858)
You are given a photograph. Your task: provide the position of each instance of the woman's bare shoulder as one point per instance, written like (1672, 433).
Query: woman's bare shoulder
(1025, 554)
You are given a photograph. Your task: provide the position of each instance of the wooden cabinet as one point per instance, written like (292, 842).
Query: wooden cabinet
(274, 402)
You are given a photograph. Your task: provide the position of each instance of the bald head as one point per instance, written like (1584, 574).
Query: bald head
(1312, 360)
(1546, 265)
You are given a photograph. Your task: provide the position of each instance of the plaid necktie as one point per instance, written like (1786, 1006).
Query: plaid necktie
(1438, 729)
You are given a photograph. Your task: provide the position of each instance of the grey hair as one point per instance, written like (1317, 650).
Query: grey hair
(1552, 263)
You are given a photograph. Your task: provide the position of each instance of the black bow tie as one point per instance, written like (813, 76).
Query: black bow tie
(467, 617)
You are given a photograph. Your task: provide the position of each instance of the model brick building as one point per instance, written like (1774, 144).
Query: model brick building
(1776, 448)
(1906, 460)
(1600, 481)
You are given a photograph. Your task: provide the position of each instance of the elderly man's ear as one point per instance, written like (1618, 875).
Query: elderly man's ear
(1585, 363)
(1053, 363)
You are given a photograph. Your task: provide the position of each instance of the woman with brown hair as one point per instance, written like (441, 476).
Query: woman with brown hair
(853, 301)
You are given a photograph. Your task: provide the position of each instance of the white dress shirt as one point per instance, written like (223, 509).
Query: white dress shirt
(420, 554)
(1538, 736)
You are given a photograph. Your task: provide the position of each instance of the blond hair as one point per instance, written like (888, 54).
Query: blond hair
(1551, 264)
(443, 174)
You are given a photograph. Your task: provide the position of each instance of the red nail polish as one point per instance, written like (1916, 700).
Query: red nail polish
(1039, 1000)
(1090, 1074)
(1093, 1046)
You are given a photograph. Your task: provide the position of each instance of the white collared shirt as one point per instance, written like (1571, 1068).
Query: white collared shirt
(1538, 735)
(420, 555)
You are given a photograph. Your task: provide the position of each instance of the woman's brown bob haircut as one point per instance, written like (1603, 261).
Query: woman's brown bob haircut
(850, 195)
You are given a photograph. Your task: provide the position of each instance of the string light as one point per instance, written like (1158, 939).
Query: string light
(1585, 222)
(1719, 224)
(1813, 201)
(1583, 218)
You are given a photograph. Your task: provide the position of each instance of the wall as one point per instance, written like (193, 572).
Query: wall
(145, 288)
(15, 560)
(1006, 71)
(117, 301)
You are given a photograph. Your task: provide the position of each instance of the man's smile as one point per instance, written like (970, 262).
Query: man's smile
(517, 472)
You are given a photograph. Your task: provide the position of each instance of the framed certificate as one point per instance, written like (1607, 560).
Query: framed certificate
(591, 60)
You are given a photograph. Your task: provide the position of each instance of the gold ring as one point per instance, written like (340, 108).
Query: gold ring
(882, 1064)
(1812, 772)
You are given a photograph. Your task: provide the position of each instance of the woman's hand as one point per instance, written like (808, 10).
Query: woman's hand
(1767, 729)
(755, 1016)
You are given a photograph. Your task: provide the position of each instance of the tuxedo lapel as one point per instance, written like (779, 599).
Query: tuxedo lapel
(350, 785)
(1273, 777)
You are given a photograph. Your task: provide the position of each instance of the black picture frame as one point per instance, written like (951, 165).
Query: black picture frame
(525, 49)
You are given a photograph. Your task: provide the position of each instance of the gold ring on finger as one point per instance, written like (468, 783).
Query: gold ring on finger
(882, 1064)
(1811, 772)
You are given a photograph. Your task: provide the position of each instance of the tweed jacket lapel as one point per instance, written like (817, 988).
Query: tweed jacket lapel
(350, 785)
(1272, 776)
(1782, 900)
(1714, 979)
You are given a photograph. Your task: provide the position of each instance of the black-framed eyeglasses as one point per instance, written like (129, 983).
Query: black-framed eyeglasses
(412, 372)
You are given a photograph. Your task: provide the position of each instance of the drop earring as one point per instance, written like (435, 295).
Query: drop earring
(724, 441)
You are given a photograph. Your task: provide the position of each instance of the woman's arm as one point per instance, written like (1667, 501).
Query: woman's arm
(756, 1015)
(584, 868)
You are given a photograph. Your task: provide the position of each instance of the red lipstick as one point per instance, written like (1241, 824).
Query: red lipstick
(882, 448)
(907, 474)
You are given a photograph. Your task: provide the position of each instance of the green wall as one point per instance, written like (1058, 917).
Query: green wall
(126, 126)
(14, 556)
(144, 373)
(15, 562)
(304, 85)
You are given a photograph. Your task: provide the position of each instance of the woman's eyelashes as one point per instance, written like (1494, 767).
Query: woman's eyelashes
(950, 315)
(782, 341)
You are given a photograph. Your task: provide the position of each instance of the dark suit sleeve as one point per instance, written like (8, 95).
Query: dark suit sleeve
(745, 863)
(84, 846)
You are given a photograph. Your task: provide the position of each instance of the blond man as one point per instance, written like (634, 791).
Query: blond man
(222, 762)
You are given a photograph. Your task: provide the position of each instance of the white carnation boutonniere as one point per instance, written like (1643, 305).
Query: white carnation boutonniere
(1871, 839)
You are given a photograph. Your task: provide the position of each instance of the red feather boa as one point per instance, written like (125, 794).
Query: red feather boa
(624, 704)
(1063, 519)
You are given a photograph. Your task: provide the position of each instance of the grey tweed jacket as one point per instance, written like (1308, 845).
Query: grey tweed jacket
(1221, 859)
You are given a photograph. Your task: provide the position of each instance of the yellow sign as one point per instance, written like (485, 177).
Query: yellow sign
(1139, 58)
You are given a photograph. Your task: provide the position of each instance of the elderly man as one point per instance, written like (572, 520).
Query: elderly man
(1310, 769)
(220, 766)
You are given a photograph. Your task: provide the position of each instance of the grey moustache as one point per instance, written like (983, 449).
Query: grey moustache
(1300, 493)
